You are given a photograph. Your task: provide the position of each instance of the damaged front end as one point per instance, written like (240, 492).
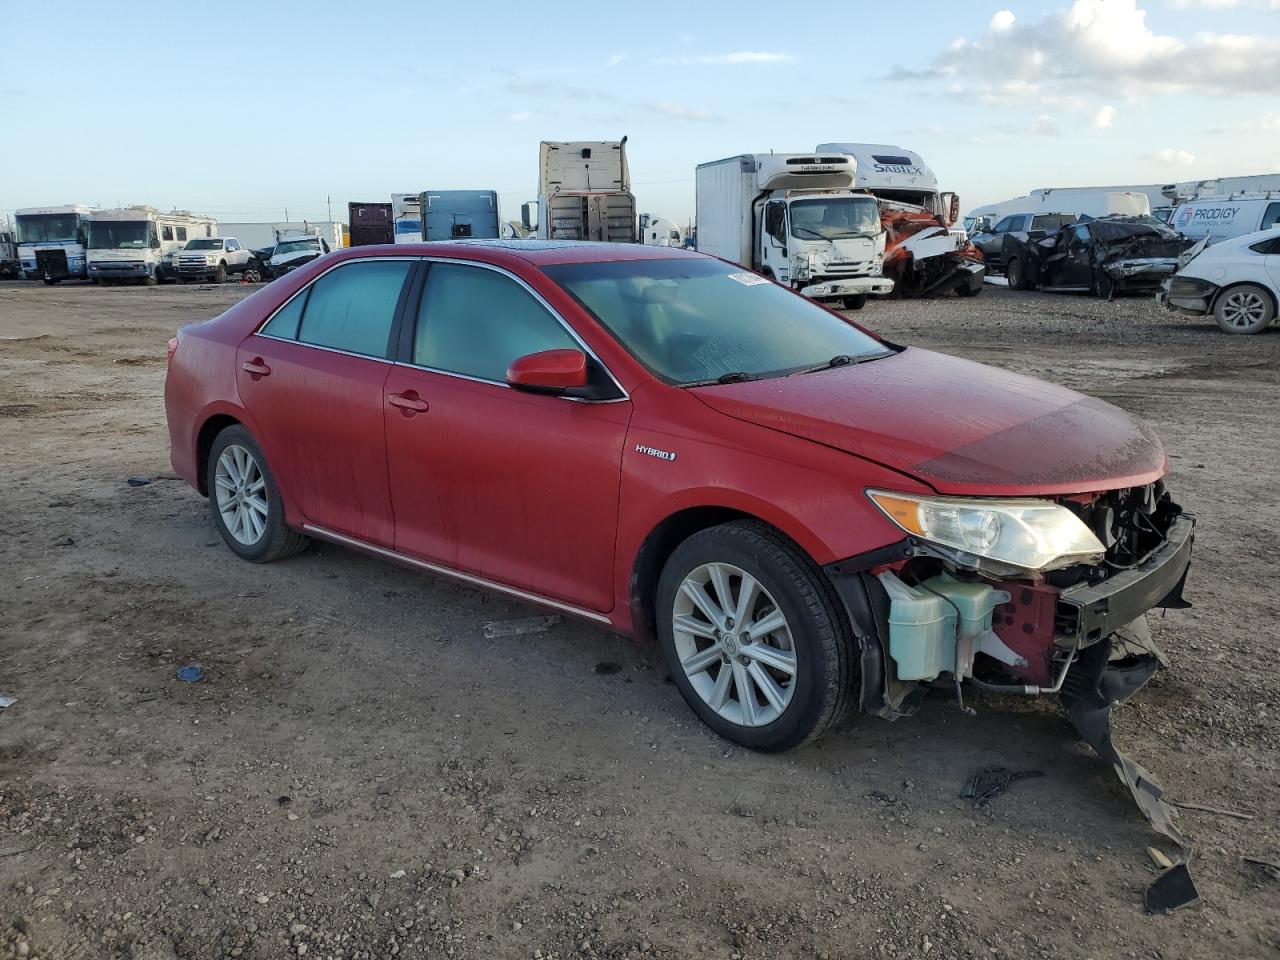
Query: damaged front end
(960, 601)
(923, 258)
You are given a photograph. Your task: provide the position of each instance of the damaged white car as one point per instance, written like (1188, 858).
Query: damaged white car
(1237, 281)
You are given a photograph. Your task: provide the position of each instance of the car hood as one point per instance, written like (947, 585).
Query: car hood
(959, 426)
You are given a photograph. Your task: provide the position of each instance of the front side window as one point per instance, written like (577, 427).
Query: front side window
(475, 321)
(695, 321)
(1004, 226)
(1272, 216)
(352, 307)
(167, 233)
(835, 218)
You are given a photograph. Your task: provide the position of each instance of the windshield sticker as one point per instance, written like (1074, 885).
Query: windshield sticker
(747, 279)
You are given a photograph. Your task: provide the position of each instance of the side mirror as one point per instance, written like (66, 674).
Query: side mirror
(526, 216)
(951, 204)
(549, 371)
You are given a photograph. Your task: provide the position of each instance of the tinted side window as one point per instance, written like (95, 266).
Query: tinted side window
(285, 323)
(1004, 226)
(1267, 248)
(475, 321)
(351, 308)
(1271, 217)
(182, 233)
(166, 232)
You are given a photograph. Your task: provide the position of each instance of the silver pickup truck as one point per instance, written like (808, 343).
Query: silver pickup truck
(212, 258)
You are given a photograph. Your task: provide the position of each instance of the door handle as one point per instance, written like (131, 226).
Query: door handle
(409, 402)
(255, 368)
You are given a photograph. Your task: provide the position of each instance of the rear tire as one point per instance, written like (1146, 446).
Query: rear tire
(856, 302)
(244, 500)
(1247, 308)
(798, 676)
(1016, 275)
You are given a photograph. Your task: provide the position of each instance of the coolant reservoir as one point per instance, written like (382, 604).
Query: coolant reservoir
(927, 622)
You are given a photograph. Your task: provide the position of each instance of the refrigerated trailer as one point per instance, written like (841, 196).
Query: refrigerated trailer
(584, 192)
(459, 214)
(796, 219)
(370, 223)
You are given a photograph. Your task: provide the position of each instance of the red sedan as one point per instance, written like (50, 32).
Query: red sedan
(810, 519)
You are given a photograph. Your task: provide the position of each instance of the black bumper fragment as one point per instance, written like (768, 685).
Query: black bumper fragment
(1088, 613)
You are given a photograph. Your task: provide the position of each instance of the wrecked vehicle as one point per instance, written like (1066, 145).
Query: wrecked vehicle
(1103, 257)
(924, 258)
(810, 519)
(1236, 281)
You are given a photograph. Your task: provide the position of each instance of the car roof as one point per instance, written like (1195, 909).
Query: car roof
(535, 252)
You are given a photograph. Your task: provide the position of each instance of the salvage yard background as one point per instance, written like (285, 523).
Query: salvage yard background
(363, 773)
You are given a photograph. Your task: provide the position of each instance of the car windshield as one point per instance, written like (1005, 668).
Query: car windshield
(834, 218)
(204, 243)
(47, 227)
(294, 246)
(694, 321)
(120, 234)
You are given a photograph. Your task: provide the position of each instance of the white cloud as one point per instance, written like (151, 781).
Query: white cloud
(519, 116)
(1105, 117)
(1102, 46)
(1044, 126)
(1169, 157)
(682, 112)
(1003, 20)
(724, 59)
(1208, 4)
(616, 59)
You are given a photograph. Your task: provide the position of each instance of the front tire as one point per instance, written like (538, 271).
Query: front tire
(1104, 288)
(753, 637)
(245, 502)
(220, 275)
(1247, 308)
(1016, 274)
(856, 302)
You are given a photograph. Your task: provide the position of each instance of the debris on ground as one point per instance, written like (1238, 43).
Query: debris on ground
(1185, 805)
(496, 629)
(986, 784)
(608, 668)
(191, 673)
(7, 701)
(140, 481)
(1270, 867)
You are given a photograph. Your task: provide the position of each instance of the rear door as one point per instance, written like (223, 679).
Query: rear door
(518, 488)
(312, 378)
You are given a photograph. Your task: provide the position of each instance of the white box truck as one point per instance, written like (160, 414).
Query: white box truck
(795, 218)
(584, 192)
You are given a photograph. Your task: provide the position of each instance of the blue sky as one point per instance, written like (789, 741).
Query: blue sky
(253, 108)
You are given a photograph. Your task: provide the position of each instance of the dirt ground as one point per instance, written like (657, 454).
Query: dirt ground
(364, 774)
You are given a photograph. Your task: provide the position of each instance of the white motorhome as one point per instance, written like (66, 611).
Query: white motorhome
(795, 218)
(659, 231)
(139, 243)
(584, 192)
(51, 241)
(1221, 218)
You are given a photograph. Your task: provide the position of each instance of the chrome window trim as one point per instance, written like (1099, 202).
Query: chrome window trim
(470, 578)
(573, 334)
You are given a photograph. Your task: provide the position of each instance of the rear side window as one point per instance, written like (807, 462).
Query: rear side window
(1267, 248)
(1051, 221)
(182, 233)
(166, 232)
(475, 321)
(1271, 217)
(285, 323)
(351, 307)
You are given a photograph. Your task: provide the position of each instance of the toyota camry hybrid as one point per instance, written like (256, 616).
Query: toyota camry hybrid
(809, 518)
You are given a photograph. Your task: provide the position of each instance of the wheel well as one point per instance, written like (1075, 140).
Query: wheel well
(1275, 308)
(209, 430)
(658, 547)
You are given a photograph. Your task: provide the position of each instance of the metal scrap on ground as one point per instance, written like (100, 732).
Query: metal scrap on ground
(518, 627)
(993, 781)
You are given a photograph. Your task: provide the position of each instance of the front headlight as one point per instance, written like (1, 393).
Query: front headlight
(1031, 535)
(210, 260)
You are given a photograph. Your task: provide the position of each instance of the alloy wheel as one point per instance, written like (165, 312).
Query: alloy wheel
(734, 644)
(241, 492)
(1244, 308)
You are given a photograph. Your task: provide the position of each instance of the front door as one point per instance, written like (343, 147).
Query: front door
(312, 380)
(518, 488)
(773, 240)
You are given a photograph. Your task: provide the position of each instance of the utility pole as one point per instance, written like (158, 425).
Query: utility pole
(329, 203)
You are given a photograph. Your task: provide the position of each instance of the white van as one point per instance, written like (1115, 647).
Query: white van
(1221, 218)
